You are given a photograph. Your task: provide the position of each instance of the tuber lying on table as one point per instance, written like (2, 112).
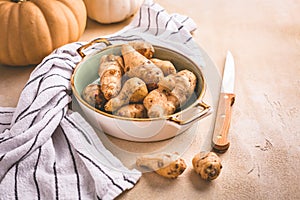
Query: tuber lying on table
(92, 95)
(110, 73)
(207, 165)
(132, 111)
(134, 90)
(168, 165)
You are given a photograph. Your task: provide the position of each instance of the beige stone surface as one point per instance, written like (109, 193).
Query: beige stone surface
(263, 161)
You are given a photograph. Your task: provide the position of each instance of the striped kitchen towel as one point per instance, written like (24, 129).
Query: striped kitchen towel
(48, 151)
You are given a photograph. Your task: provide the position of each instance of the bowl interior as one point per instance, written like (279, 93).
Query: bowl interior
(87, 70)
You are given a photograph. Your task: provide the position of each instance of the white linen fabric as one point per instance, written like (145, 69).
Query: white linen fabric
(47, 151)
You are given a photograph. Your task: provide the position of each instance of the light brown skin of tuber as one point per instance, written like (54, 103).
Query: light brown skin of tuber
(149, 73)
(207, 165)
(166, 66)
(168, 165)
(134, 90)
(180, 85)
(92, 95)
(144, 48)
(192, 79)
(137, 65)
(110, 72)
(132, 58)
(158, 104)
(132, 111)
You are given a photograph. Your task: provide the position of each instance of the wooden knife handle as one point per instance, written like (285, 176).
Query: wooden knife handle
(220, 141)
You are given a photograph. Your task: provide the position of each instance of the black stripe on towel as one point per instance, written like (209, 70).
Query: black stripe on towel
(57, 103)
(30, 113)
(34, 174)
(34, 111)
(129, 181)
(79, 129)
(168, 22)
(156, 21)
(59, 75)
(64, 58)
(6, 112)
(16, 182)
(149, 20)
(188, 40)
(124, 38)
(74, 163)
(184, 20)
(1, 158)
(4, 124)
(101, 170)
(25, 110)
(51, 87)
(140, 19)
(98, 198)
(177, 30)
(33, 144)
(34, 79)
(6, 139)
(55, 181)
(40, 81)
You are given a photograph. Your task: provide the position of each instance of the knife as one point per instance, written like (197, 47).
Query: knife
(220, 141)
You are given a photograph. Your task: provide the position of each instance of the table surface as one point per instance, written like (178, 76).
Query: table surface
(263, 161)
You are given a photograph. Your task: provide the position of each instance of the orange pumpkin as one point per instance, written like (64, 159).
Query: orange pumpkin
(31, 29)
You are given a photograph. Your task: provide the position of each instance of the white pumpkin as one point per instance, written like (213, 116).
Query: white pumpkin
(111, 11)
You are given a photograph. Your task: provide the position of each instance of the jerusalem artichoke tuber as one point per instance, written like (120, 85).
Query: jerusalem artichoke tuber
(132, 111)
(207, 165)
(110, 73)
(166, 66)
(137, 65)
(144, 48)
(134, 90)
(180, 85)
(158, 104)
(149, 73)
(92, 95)
(168, 165)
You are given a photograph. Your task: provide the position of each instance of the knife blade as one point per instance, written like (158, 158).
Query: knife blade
(220, 141)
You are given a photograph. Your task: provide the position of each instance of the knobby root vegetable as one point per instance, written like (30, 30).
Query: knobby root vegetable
(180, 85)
(132, 111)
(192, 80)
(168, 165)
(92, 95)
(110, 73)
(137, 65)
(132, 58)
(144, 48)
(134, 90)
(166, 66)
(207, 165)
(149, 73)
(159, 104)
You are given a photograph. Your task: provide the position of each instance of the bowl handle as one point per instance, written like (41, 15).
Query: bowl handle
(95, 41)
(205, 110)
